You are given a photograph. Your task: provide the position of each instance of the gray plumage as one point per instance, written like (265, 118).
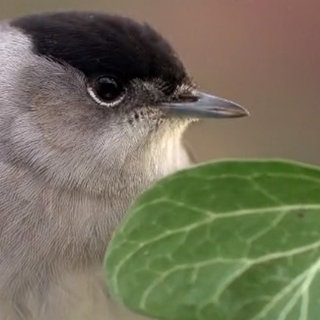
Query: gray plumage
(64, 186)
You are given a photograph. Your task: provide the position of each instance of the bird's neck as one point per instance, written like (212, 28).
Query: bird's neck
(161, 154)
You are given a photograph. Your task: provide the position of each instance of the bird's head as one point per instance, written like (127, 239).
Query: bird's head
(89, 93)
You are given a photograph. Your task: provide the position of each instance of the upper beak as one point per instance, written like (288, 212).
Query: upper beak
(204, 105)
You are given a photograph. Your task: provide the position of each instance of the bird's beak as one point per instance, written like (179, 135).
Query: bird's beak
(203, 105)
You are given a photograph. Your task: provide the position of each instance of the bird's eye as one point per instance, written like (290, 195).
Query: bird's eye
(106, 91)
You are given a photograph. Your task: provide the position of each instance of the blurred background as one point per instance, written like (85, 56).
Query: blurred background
(264, 54)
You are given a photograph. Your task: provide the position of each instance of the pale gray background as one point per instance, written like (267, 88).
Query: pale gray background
(264, 54)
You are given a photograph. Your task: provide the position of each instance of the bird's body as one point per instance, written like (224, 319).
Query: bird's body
(75, 151)
(50, 268)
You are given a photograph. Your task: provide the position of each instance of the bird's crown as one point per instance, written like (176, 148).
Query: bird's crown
(97, 43)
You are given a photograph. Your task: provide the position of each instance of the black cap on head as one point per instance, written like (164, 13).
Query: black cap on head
(99, 44)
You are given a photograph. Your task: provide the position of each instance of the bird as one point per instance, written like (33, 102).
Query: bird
(93, 107)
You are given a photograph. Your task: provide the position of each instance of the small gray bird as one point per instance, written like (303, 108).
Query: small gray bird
(92, 110)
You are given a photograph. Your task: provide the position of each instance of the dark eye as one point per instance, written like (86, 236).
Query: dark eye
(106, 91)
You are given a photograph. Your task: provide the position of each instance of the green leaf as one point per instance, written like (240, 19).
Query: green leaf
(223, 241)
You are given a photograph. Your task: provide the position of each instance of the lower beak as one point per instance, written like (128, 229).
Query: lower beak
(205, 106)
